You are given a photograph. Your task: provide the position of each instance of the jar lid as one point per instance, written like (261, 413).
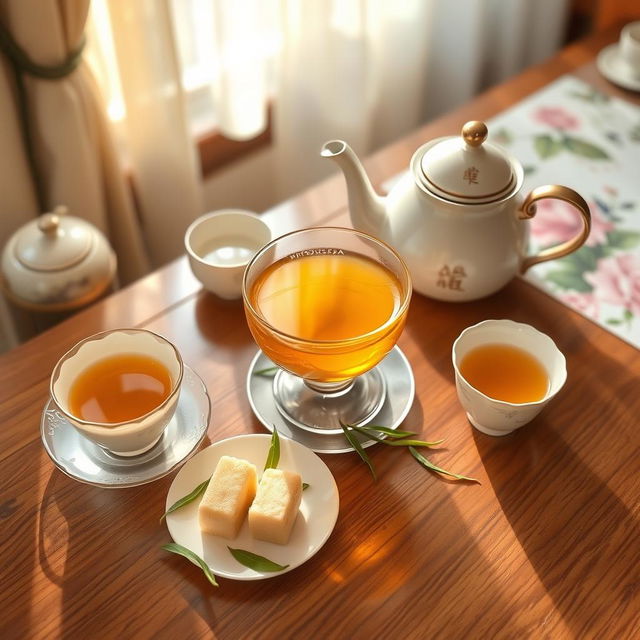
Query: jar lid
(466, 168)
(53, 242)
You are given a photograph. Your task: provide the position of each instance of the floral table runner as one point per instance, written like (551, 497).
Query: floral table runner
(569, 133)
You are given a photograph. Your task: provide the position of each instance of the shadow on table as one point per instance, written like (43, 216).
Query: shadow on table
(219, 320)
(101, 548)
(366, 582)
(223, 323)
(580, 538)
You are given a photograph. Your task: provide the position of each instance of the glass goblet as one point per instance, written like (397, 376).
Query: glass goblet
(326, 304)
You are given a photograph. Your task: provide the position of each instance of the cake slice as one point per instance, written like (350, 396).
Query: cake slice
(275, 507)
(225, 502)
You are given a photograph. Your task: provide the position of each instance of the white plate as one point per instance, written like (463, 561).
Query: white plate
(616, 70)
(313, 526)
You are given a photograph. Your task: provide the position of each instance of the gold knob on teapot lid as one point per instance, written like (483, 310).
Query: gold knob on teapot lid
(474, 133)
(467, 168)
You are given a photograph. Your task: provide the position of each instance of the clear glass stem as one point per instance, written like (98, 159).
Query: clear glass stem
(321, 407)
(330, 388)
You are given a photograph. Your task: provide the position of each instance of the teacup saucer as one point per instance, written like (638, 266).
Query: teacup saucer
(395, 369)
(87, 462)
(616, 70)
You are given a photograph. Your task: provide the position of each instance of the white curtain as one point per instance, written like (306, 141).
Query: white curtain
(136, 56)
(367, 71)
(363, 70)
(75, 161)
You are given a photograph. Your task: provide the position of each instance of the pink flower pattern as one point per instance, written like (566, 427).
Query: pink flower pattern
(576, 126)
(556, 117)
(617, 281)
(557, 221)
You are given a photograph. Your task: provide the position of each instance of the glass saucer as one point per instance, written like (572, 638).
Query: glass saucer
(87, 462)
(398, 377)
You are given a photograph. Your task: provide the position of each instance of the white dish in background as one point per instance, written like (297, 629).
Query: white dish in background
(220, 245)
(616, 70)
(313, 526)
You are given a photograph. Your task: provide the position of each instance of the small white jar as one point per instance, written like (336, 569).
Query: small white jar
(57, 263)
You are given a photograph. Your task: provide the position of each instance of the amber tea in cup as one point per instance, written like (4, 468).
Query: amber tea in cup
(505, 372)
(119, 388)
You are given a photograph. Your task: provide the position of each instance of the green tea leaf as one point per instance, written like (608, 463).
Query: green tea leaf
(412, 443)
(394, 441)
(255, 562)
(269, 372)
(627, 315)
(546, 146)
(273, 457)
(190, 497)
(585, 149)
(305, 486)
(614, 321)
(391, 433)
(429, 465)
(196, 559)
(358, 448)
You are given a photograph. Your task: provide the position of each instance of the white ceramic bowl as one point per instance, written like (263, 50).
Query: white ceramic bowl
(124, 438)
(496, 417)
(220, 245)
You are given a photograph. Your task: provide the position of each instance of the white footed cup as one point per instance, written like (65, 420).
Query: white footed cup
(132, 437)
(220, 245)
(496, 417)
(629, 48)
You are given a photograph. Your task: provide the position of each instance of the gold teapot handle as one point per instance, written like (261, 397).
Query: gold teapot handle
(528, 210)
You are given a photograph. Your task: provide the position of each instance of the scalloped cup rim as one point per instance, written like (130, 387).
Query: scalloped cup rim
(553, 388)
(128, 426)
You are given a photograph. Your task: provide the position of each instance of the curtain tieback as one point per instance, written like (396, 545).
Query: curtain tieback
(22, 64)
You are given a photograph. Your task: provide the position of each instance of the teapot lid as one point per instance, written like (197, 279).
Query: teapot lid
(466, 168)
(53, 242)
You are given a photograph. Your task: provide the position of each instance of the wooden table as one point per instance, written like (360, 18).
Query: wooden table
(548, 546)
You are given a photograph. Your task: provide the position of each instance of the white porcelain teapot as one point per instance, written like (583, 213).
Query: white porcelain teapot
(458, 217)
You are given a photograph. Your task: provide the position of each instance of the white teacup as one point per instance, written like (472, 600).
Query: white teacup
(496, 417)
(629, 48)
(132, 437)
(220, 245)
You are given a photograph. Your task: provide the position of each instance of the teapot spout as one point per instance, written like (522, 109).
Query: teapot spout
(366, 207)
